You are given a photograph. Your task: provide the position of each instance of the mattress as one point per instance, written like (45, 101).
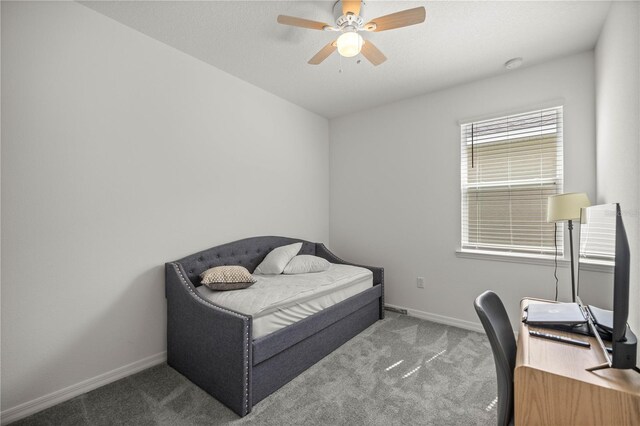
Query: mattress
(276, 301)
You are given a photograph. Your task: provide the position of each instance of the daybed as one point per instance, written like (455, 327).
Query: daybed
(214, 346)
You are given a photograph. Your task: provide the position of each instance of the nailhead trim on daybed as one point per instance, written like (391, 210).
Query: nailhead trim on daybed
(246, 319)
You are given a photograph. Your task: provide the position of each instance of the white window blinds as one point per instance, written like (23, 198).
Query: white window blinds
(509, 166)
(598, 234)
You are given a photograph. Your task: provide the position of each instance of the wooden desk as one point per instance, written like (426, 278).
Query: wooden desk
(553, 388)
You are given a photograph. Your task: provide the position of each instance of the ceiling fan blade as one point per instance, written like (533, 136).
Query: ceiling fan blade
(299, 22)
(372, 53)
(399, 19)
(323, 53)
(352, 6)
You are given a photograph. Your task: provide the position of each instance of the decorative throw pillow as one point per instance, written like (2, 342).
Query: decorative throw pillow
(277, 259)
(227, 278)
(305, 263)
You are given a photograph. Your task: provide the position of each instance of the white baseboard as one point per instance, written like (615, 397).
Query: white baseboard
(441, 319)
(31, 407)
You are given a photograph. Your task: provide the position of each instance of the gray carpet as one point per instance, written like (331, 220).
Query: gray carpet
(399, 371)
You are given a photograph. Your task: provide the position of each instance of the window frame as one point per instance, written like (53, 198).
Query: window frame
(503, 252)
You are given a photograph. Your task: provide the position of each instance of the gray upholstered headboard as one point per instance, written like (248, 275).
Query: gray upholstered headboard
(248, 253)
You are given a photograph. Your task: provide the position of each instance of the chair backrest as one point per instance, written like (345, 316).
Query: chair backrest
(496, 323)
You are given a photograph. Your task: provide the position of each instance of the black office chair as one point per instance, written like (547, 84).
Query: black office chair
(496, 323)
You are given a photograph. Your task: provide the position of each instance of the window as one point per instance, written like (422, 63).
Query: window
(598, 235)
(509, 166)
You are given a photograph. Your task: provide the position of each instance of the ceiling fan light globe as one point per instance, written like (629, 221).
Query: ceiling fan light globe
(349, 44)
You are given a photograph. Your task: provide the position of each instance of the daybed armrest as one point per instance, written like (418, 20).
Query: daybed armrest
(378, 272)
(323, 251)
(209, 344)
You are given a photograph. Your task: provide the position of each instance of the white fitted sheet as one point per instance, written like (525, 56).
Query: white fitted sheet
(276, 301)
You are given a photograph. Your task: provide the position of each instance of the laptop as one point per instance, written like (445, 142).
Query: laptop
(555, 313)
(602, 318)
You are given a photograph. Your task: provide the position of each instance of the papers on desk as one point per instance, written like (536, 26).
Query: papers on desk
(554, 313)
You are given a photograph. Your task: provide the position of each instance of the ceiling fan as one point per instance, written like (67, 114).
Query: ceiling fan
(349, 22)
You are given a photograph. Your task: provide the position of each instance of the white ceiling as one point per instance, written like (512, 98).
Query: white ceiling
(459, 42)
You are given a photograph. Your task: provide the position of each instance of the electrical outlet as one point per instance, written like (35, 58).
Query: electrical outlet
(420, 282)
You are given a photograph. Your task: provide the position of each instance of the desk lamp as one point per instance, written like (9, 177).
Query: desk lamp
(567, 207)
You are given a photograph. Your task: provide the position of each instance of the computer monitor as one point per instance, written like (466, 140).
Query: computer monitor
(603, 241)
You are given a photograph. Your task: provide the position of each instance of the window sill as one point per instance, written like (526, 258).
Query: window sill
(514, 258)
(595, 266)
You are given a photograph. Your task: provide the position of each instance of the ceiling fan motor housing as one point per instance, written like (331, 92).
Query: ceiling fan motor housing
(348, 19)
(349, 22)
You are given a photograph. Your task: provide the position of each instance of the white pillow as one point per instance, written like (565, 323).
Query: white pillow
(277, 259)
(306, 263)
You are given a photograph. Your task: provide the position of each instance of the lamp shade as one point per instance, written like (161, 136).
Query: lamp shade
(566, 206)
(349, 44)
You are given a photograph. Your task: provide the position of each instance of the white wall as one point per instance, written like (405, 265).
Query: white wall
(395, 188)
(617, 61)
(120, 153)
